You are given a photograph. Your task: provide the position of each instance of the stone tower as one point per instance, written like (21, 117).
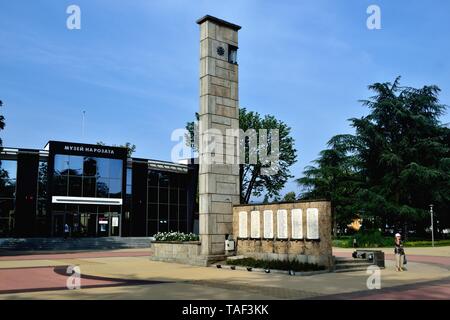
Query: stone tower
(219, 111)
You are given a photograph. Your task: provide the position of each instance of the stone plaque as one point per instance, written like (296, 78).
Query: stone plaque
(268, 224)
(282, 227)
(297, 223)
(254, 225)
(243, 226)
(312, 223)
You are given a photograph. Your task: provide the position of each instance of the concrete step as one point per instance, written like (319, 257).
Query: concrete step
(13, 244)
(339, 260)
(350, 270)
(352, 265)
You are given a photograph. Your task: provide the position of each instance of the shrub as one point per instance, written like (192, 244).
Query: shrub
(364, 239)
(427, 243)
(294, 265)
(175, 236)
(374, 239)
(342, 243)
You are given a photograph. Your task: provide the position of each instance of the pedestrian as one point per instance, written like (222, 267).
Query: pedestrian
(399, 252)
(66, 231)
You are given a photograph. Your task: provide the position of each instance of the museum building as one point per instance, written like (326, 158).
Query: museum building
(98, 191)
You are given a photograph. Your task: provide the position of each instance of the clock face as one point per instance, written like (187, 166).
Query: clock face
(220, 51)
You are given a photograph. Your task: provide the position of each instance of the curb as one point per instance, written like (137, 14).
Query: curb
(271, 271)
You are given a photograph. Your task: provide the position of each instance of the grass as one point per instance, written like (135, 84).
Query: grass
(427, 243)
(380, 242)
(276, 264)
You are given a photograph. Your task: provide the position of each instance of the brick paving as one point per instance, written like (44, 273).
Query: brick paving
(431, 290)
(74, 255)
(435, 260)
(109, 275)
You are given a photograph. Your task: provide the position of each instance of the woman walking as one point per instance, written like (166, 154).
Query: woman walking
(399, 252)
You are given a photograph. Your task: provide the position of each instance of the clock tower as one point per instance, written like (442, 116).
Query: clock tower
(219, 112)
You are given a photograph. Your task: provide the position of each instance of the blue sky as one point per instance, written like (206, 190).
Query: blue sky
(133, 66)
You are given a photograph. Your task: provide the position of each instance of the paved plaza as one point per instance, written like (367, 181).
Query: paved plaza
(129, 274)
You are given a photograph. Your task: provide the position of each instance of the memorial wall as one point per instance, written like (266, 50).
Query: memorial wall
(299, 230)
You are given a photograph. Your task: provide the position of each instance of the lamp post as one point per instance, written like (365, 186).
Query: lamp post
(432, 225)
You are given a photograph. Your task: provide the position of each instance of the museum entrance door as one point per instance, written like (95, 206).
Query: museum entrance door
(86, 220)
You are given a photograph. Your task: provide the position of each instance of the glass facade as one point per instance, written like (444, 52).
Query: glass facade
(8, 178)
(128, 207)
(166, 202)
(41, 208)
(86, 220)
(93, 177)
(94, 195)
(78, 176)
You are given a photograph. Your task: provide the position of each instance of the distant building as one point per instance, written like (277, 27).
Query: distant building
(355, 224)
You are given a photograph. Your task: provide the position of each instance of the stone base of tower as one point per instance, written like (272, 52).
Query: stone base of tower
(182, 252)
(216, 210)
(212, 245)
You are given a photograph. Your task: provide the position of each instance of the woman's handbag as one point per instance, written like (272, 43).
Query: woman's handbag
(404, 259)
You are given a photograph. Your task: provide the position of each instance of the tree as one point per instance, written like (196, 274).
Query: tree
(404, 155)
(334, 177)
(399, 157)
(290, 197)
(3, 173)
(130, 147)
(2, 124)
(253, 181)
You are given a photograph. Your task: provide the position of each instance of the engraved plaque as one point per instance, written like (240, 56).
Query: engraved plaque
(312, 223)
(282, 228)
(297, 223)
(243, 232)
(268, 224)
(255, 226)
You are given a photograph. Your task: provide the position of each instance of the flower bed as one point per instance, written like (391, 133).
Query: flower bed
(176, 247)
(175, 237)
(287, 265)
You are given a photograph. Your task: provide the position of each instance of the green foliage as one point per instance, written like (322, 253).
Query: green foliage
(373, 238)
(3, 173)
(342, 242)
(368, 239)
(290, 197)
(294, 265)
(253, 182)
(2, 124)
(393, 167)
(334, 178)
(427, 243)
(378, 241)
(176, 236)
